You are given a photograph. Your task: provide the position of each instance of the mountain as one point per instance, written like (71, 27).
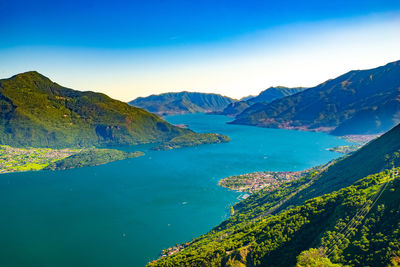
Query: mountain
(265, 96)
(235, 108)
(358, 102)
(37, 112)
(274, 93)
(182, 102)
(345, 212)
(247, 98)
(376, 156)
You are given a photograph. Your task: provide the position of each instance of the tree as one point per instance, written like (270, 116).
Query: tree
(314, 258)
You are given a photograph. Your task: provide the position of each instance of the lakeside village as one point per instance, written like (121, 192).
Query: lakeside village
(14, 159)
(256, 181)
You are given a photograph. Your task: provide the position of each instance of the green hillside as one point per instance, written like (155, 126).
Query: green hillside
(358, 102)
(182, 102)
(37, 112)
(331, 208)
(374, 157)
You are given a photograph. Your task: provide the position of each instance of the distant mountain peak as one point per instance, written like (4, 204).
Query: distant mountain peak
(182, 102)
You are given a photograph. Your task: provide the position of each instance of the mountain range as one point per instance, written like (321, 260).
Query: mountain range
(182, 102)
(358, 102)
(36, 112)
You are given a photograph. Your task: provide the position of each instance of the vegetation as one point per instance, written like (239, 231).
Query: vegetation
(192, 139)
(39, 113)
(314, 258)
(30, 159)
(34, 159)
(358, 102)
(346, 210)
(374, 157)
(182, 102)
(36, 112)
(91, 157)
(278, 239)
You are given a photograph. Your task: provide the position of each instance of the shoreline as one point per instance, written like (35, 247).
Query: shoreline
(353, 138)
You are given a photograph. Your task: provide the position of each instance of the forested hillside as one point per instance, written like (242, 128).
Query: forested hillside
(182, 102)
(36, 112)
(358, 102)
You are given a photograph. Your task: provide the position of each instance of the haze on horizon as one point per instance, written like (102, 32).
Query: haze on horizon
(235, 48)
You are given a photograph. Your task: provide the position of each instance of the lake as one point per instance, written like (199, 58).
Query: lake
(124, 213)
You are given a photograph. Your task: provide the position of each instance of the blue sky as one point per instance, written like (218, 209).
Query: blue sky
(135, 48)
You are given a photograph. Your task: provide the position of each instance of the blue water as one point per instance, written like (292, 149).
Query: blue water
(124, 213)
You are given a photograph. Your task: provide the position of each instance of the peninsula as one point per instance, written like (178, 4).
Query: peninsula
(192, 139)
(34, 159)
